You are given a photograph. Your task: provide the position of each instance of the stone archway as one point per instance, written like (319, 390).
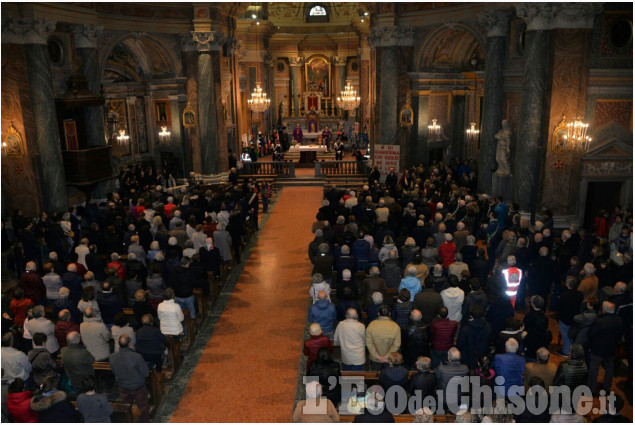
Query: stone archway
(450, 47)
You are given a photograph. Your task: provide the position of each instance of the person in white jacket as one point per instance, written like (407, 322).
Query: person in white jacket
(350, 335)
(170, 314)
(318, 284)
(453, 299)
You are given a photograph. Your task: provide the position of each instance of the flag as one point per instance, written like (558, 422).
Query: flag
(253, 196)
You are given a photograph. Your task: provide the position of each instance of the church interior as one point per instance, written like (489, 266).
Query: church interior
(179, 158)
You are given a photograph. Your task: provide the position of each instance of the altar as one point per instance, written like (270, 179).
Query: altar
(308, 153)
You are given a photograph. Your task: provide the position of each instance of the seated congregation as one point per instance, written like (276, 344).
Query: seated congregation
(420, 280)
(110, 297)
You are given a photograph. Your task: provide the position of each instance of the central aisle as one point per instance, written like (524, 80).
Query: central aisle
(249, 368)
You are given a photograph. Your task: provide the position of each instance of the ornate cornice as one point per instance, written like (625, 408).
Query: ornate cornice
(207, 41)
(86, 35)
(391, 36)
(495, 22)
(27, 30)
(547, 16)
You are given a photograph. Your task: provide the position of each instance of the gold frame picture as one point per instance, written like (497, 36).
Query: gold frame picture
(162, 112)
(189, 117)
(312, 68)
(406, 116)
(557, 137)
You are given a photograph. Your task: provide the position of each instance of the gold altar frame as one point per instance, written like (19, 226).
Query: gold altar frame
(308, 78)
(12, 144)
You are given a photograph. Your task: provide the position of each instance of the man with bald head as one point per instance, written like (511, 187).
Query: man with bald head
(64, 326)
(415, 339)
(131, 371)
(77, 360)
(73, 281)
(350, 335)
(324, 313)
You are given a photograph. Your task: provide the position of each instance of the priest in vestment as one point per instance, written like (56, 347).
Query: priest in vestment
(297, 134)
(326, 138)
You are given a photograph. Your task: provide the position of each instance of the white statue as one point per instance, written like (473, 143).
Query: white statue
(503, 149)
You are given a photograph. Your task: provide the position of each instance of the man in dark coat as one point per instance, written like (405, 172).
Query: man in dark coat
(474, 335)
(96, 263)
(415, 339)
(73, 281)
(604, 336)
(542, 274)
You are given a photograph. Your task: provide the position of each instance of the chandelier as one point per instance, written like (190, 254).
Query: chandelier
(123, 137)
(472, 132)
(434, 129)
(164, 134)
(259, 101)
(576, 138)
(348, 99)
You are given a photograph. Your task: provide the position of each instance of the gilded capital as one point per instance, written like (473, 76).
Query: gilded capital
(207, 41)
(299, 61)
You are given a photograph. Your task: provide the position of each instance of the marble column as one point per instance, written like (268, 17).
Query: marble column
(47, 138)
(530, 147)
(206, 43)
(296, 83)
(496, 24)
(131, 131)
(340, 72)
(85, 36)
(387, 41)
(388, 95)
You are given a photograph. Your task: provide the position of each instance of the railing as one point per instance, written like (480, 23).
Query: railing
(339, 168)
(269, 168)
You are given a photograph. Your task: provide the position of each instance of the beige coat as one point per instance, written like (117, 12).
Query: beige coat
(383, 336)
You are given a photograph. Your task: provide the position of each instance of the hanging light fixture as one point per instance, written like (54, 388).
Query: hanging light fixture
(473, 132)
(434, 129)
(123, 137)
(164, 135)
(348, 99)
(576, 139)
(259, 101)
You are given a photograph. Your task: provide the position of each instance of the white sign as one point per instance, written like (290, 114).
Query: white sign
(386, 157)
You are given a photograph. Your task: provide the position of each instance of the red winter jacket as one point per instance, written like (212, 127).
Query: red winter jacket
(313, 344)
(33, 286)
(19, 407)
(18, 308)
(121, 270)
(62, 329)
(446, 252)
(601, 227)
(443, 331)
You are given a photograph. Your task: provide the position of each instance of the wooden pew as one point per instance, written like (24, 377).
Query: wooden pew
(202, 303)
(121, 412)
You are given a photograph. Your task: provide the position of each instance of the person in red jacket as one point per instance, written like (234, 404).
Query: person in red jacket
(117, 265)
(19, 403)
(33, 285)
(19, 305)
(63, 327)
(315, 342)
(601, 225)
(447, 250)
(443, 330)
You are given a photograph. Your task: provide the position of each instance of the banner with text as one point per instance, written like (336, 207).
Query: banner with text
(386, 157)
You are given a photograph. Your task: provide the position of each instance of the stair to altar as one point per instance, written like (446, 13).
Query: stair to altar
(300, 180)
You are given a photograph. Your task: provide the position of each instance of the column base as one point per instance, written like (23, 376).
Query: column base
(503, 185)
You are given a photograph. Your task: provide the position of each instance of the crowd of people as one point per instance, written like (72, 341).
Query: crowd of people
(422, 279)
(143, 248)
